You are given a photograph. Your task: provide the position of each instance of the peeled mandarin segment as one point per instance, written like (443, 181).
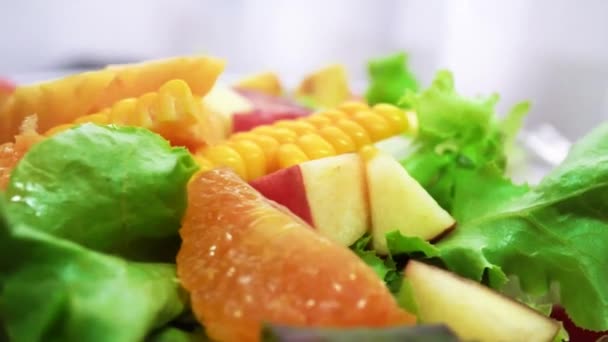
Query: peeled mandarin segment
(223, 155)
(341, 142)
(357, 133)
(62, 101)
(253, 155)
(396, 117)
(352, 107)
(290, 155)
(318, 120)
(282, 135)
(260, 263)
(315, 146)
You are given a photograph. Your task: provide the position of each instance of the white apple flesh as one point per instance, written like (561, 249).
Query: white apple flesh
(473, 311)
(335, 189)
(399, 202)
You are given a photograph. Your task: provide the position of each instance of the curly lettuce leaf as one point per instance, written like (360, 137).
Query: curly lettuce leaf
(390, 78)
(457, 134)
(55, 290)
(111, 189)
(554, 233)
(362, 249)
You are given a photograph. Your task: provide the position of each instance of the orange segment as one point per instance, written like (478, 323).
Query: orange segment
(62, 101)
(245, 260)
(11, 154)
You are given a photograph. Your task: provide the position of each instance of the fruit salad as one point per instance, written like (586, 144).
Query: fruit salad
(155, 202)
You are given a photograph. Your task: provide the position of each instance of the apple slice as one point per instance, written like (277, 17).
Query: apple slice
(287, 188)
(398, 146)
(264, 82)
(399, 202)
(327, 193)
(327, 87)
(266, 110)
(473, 311)
(227, 102)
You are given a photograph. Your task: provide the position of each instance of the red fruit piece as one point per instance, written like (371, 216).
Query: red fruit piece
(268, 109)
(575, 333)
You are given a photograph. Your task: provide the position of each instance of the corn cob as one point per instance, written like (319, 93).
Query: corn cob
(172, 112)
(285, 143)
(62, 101)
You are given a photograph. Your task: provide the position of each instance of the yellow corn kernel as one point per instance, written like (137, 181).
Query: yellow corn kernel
(315, 147)
(375, 125)
(223, 155)
(204, 164)
(99, 118)
(334, 114)
(282, 135)
(298, 126)
(290, 154)
(318, 120)
(355, 132)
(252, 155)
(341, 142)
(352, 107)
(268, 144)
(396, 117)
(174, 104)
(145, 114)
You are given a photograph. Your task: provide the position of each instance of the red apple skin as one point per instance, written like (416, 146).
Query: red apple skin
(286, 187)
(575, 333)
(267, 109)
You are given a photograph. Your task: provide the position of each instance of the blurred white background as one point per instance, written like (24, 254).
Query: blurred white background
(552, 52)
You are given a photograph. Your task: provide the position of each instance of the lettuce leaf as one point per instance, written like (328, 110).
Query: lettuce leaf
(457, 134)
(389, 79)
(553, 234)
(362, 249)
(55, 290)
(111, 189)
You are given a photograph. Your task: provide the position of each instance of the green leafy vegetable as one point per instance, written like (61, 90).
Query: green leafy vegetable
(172, 334)
(457, 134)
(362, 248)
(113, 189)
(389, 79)
(554, 233)
(399, 244)
(426, 333)
(56, 290)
